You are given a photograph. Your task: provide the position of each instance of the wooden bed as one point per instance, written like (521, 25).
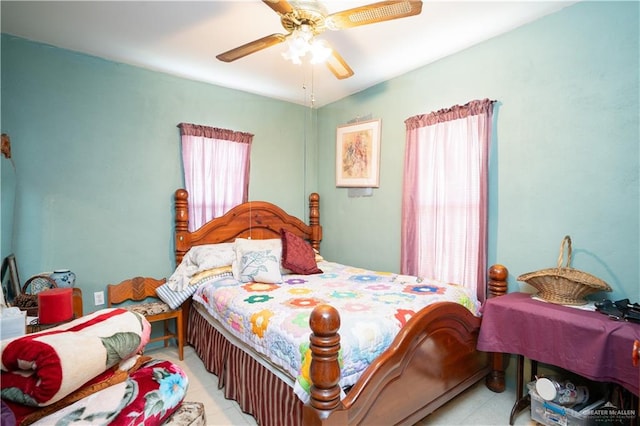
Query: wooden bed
(433, 358)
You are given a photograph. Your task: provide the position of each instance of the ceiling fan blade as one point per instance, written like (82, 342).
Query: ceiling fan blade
(251, 47)
(280, 6)
(338, 66)
(372, 13)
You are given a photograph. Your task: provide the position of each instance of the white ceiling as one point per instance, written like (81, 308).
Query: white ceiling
(182, 38)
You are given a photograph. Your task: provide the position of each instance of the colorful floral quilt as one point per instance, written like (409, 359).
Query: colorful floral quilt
(274, 318)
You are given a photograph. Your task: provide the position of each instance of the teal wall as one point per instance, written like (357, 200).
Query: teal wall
(564, 157)
(7, 198)
(97, 153)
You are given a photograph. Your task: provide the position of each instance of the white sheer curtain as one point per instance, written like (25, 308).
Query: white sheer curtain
(216, 170)
(444, 201)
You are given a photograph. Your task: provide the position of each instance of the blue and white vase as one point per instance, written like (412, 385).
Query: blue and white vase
(63, 278)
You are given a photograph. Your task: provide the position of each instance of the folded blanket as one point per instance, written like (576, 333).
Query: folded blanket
(42, 368)
(198, 259)
(26, 415)
(147, 397)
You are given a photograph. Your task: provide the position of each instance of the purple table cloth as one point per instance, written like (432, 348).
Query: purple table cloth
(585, 342)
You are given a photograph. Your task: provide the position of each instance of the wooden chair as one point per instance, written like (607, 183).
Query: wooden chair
(142, 288)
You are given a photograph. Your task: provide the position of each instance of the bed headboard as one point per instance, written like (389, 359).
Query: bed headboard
(254, 219)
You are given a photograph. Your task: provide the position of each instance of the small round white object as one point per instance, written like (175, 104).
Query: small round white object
(547, 388)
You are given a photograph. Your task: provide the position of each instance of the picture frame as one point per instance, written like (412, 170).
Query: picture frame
(10, 279)
(358, 154)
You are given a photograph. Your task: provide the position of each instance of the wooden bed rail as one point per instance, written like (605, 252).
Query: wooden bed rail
(325, 406)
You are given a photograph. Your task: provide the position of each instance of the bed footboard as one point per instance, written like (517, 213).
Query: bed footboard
(432, 360)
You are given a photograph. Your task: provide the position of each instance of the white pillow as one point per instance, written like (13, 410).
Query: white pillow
(211, 256)
(258, 260)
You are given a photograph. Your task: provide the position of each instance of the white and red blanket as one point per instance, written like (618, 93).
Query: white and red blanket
(41, 368)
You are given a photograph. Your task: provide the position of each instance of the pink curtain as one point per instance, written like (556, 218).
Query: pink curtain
(444, 200)
(216, 170)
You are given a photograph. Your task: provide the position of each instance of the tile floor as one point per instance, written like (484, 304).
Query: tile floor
(476, 406)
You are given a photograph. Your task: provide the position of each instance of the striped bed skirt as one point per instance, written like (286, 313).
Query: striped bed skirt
(257, 390)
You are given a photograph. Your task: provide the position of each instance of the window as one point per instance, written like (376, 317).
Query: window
(444, 201)
(216, 170)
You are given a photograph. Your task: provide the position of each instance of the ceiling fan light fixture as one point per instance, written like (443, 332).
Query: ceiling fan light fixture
(292, 56)
(301, 37)
(320, 51)
(298, 44)
(301, 41)
(303, 20)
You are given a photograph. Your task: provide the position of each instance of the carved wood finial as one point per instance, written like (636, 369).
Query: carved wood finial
(497, 284)
(325, 369)
(314, 220)
(182, 224)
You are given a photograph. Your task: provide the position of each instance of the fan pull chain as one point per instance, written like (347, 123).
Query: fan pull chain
(313, 95)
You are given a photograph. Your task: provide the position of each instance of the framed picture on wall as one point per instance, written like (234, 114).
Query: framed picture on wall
(358, 154)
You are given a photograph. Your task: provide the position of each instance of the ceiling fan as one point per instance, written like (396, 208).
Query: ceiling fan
(304, 19)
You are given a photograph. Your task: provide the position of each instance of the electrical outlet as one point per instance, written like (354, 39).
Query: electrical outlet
(98, 298)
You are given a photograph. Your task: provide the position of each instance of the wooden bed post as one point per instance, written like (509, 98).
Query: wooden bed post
(183, 243)
(314, 220)
(182, 224)
(497, 286)
(325, 368)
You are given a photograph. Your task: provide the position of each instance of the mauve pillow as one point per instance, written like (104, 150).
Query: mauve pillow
(298, 255)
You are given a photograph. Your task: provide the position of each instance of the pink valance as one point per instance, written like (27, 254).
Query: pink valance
(476, 107)
(188, 129)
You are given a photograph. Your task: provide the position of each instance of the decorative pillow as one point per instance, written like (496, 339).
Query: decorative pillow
(298, 255)
(258, 260)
